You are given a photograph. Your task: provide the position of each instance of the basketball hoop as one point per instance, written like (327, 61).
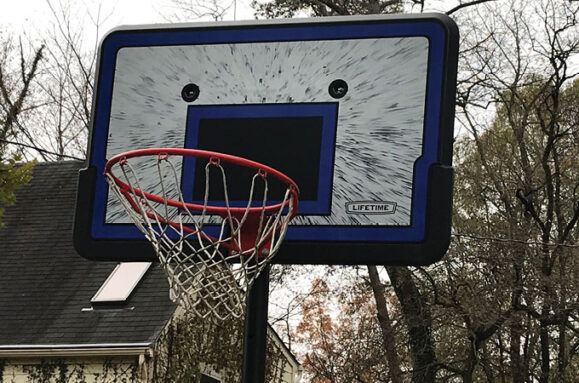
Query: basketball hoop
(211, 252)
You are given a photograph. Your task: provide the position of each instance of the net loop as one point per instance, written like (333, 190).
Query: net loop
(211, 252)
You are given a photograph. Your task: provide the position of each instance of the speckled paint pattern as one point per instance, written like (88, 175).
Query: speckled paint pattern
(380, 120)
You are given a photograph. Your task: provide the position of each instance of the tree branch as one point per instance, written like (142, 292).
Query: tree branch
(464, 5)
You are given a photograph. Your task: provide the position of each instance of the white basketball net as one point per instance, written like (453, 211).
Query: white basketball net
(208, 275)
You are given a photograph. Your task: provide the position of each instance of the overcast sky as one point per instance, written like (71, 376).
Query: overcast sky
(27, 16)
(22, 15)
(25, 13)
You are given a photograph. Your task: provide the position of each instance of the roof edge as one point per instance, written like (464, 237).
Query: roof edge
(104, 349)
(271, 331)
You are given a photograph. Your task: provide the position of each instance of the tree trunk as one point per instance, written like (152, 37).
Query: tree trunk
(516, 330)
(470, 364)
(562, 354)
(418, 319)
(385, 325)
(545, 357)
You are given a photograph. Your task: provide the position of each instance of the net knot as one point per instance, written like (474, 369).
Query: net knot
(163, 157)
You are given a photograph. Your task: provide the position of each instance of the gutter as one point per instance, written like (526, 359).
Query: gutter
(59, 350)
(271, 331)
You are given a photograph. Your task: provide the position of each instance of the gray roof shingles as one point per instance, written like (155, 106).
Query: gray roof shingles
(45, 284)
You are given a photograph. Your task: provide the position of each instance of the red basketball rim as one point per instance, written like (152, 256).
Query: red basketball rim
(216, 158)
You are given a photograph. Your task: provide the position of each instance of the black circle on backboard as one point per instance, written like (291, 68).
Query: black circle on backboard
(190, 92)
(338, 88)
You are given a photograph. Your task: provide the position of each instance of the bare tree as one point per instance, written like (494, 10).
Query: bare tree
(386, 326)
(18, 69)
(17, 73)
(67, 81)
(187, 10)
(65, 84)
(522, 188)
(291, 8)
(56, 126)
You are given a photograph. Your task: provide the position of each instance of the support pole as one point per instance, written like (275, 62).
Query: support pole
(255, 332)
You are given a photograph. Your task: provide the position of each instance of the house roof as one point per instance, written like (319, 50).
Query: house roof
(45, 284)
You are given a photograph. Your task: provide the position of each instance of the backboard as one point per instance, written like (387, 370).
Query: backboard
(357, 110)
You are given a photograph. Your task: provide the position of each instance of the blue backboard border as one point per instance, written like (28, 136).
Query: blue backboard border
(436, 172)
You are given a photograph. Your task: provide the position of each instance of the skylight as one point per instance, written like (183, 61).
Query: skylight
(121, 282)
